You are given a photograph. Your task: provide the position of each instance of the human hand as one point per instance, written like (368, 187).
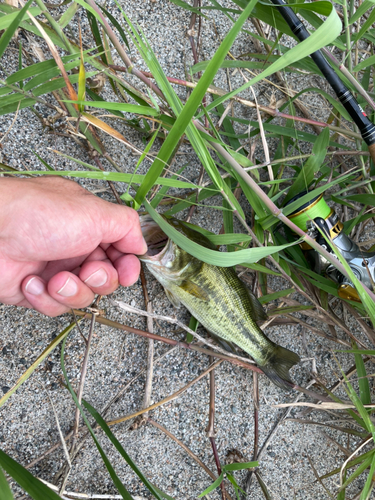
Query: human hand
(61, 245)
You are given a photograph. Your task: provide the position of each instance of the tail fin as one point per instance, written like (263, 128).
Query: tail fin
(278, 365)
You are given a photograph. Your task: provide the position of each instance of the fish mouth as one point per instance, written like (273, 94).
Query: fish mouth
(157, 241)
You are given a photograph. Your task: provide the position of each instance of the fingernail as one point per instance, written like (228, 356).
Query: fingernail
(69, 289)
(98, 278)
(145, 245)
(35, 286)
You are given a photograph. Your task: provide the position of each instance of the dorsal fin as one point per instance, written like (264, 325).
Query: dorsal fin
(258, 310)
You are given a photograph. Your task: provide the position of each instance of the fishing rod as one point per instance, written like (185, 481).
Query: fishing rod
(365, 126)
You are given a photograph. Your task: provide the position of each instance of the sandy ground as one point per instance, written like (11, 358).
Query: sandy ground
(27, 423)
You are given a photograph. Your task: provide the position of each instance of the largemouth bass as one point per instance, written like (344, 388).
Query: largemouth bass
(215, 296)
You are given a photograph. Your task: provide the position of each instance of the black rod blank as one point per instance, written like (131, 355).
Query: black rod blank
(366, 127)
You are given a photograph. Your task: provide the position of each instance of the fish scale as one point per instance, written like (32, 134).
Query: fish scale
(218, 299)
(228, 311)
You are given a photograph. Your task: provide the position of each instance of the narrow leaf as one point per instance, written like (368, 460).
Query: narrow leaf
(32, 485)
(7, 36)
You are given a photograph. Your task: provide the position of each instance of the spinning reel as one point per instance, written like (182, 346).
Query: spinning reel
(317, 218)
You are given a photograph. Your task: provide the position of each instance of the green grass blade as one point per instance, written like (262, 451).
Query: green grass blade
(193, 325)
(163, 191)
(362, 467)
(7, 36)
(359, 406)
(68, 15)
(261, 269)
(361, 10)
(120, 106)
(323, 36)
(240, 466)
(186, 114)
(364, 386)
(37, 68)
(12, 13)
(33, 486)
(83, 163)
(117, 177)
(37, 362)
(213, 257)
(116, 24)
(6, 493)
(213, 486)
(185, 5)
(309, 169)
(369, 485)
(121, 488)
(29, 26)
(102, 423)
(20, 62)
(47, 165)
(277, 295)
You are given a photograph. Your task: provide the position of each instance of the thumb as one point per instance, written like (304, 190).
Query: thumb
(121, 228)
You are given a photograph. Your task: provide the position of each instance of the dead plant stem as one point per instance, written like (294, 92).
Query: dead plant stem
(193, 347)
(167, 399)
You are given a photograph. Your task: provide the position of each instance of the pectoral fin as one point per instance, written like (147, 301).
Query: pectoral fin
(172, 299)
(194, 289)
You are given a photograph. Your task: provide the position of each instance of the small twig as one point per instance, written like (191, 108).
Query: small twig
(228, 357)
(62, 440)
(193, 207)
(184, 447)
(167, 399)
(82, 496)
(319, 332)
(266, 109)
(78, 326)
(268, 440)
(210, 431)
(12, 124)
(65, 470)
(318, 477)
(352, 455)
(369, 332)
(121, 52)
(336, 443)
(262, 134)
(174, 321)
(103, 412)
(218, 466)
(256, 415)
(150, 362)
(83, 373)
(150, 351)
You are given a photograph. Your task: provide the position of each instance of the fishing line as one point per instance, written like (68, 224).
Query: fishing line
(365, 126)
(316, 207)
